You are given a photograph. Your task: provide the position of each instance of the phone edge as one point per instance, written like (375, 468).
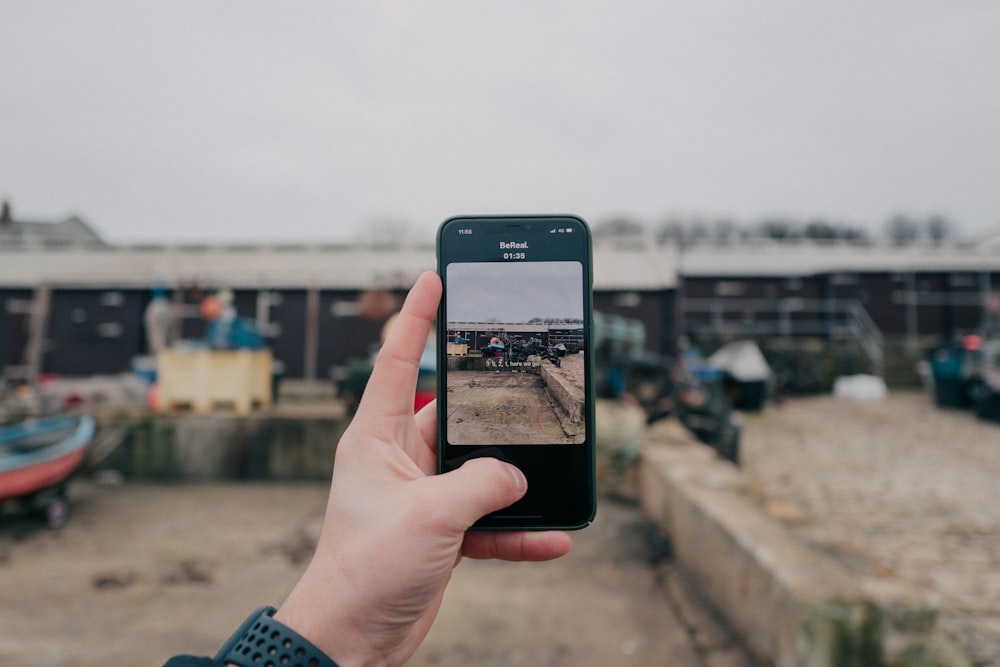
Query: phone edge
(441, 359)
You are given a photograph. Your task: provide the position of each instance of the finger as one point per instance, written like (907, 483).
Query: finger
(477, 488)
(393, 380)
(426, 420)
(426, 456)
(517, 546)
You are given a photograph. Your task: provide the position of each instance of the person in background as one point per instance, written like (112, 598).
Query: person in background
(226, 330)
(393, 530)
(158, 321)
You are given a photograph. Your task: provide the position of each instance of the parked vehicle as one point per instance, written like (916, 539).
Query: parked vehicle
(745, 374)
(956, 367)
(988, 398)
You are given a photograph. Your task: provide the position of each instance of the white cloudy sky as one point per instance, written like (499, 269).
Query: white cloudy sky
(243, 120)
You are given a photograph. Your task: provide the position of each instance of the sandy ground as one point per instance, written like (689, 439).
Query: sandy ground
(142, 572)
(905, 494)
(490, 407)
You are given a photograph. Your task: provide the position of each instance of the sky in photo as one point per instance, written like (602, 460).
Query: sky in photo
(511, 292)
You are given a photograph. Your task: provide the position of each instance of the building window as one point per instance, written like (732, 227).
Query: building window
(844, 279)
(110, 330)
(273, 298)
(793, 304)
(899, 297)
(19, 306)
(628, 300)
(730, 288)
(962, 280)
(111, 299)
(345, 309)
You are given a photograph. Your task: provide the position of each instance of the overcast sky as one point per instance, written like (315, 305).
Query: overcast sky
(231, 121)
(514, 292)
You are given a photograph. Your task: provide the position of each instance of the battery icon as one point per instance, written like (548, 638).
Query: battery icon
(569, 230)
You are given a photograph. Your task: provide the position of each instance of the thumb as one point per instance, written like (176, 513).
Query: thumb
(480, 486)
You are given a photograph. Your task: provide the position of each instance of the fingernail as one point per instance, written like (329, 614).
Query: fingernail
(520, 481)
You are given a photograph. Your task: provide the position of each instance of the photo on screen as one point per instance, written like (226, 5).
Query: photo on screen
(515, 362)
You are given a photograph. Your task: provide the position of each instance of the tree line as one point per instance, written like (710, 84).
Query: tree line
(900, 229)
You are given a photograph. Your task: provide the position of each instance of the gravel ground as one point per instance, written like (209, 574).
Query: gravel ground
(903, 493)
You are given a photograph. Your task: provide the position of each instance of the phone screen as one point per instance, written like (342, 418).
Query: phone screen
(514, 378)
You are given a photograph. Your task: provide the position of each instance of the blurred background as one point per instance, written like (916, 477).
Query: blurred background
(211, 214)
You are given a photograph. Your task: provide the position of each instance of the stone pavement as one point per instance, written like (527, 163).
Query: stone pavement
(905, 495)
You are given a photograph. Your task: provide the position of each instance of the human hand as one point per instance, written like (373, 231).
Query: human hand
(394, 530)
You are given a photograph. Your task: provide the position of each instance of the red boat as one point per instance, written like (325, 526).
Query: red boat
(38, 456)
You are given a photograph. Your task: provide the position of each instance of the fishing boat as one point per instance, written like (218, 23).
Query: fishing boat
(37, 458)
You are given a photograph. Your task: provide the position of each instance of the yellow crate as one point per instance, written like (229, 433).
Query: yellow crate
(206, 379)
(457, 349)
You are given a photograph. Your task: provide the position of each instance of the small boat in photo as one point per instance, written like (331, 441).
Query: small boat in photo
(37, 458)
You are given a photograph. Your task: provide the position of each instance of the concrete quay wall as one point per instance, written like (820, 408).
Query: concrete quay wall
(261, 446)
(790, 603)
(566, 394)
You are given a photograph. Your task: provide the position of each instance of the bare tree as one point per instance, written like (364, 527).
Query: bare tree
(821, 231)
(902, 230)
(778, 229)
(671, 231)
(939, 229)
(619, 226)
(725, 230)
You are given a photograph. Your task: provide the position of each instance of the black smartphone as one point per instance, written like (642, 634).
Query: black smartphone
(514, 357)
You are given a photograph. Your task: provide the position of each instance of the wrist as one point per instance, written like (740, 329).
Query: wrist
(329, 625)
(263, 641)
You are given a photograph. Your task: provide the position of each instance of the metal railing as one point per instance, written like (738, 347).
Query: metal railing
(867, 334)
(787, 318)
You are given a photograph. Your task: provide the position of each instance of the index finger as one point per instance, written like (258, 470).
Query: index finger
(393, 381)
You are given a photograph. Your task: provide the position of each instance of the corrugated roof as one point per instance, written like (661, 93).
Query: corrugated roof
(253, 267)
(519, 327)
(766, 259)
(27, 234)
(618, 265)
(284, 266)
(633, 265)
